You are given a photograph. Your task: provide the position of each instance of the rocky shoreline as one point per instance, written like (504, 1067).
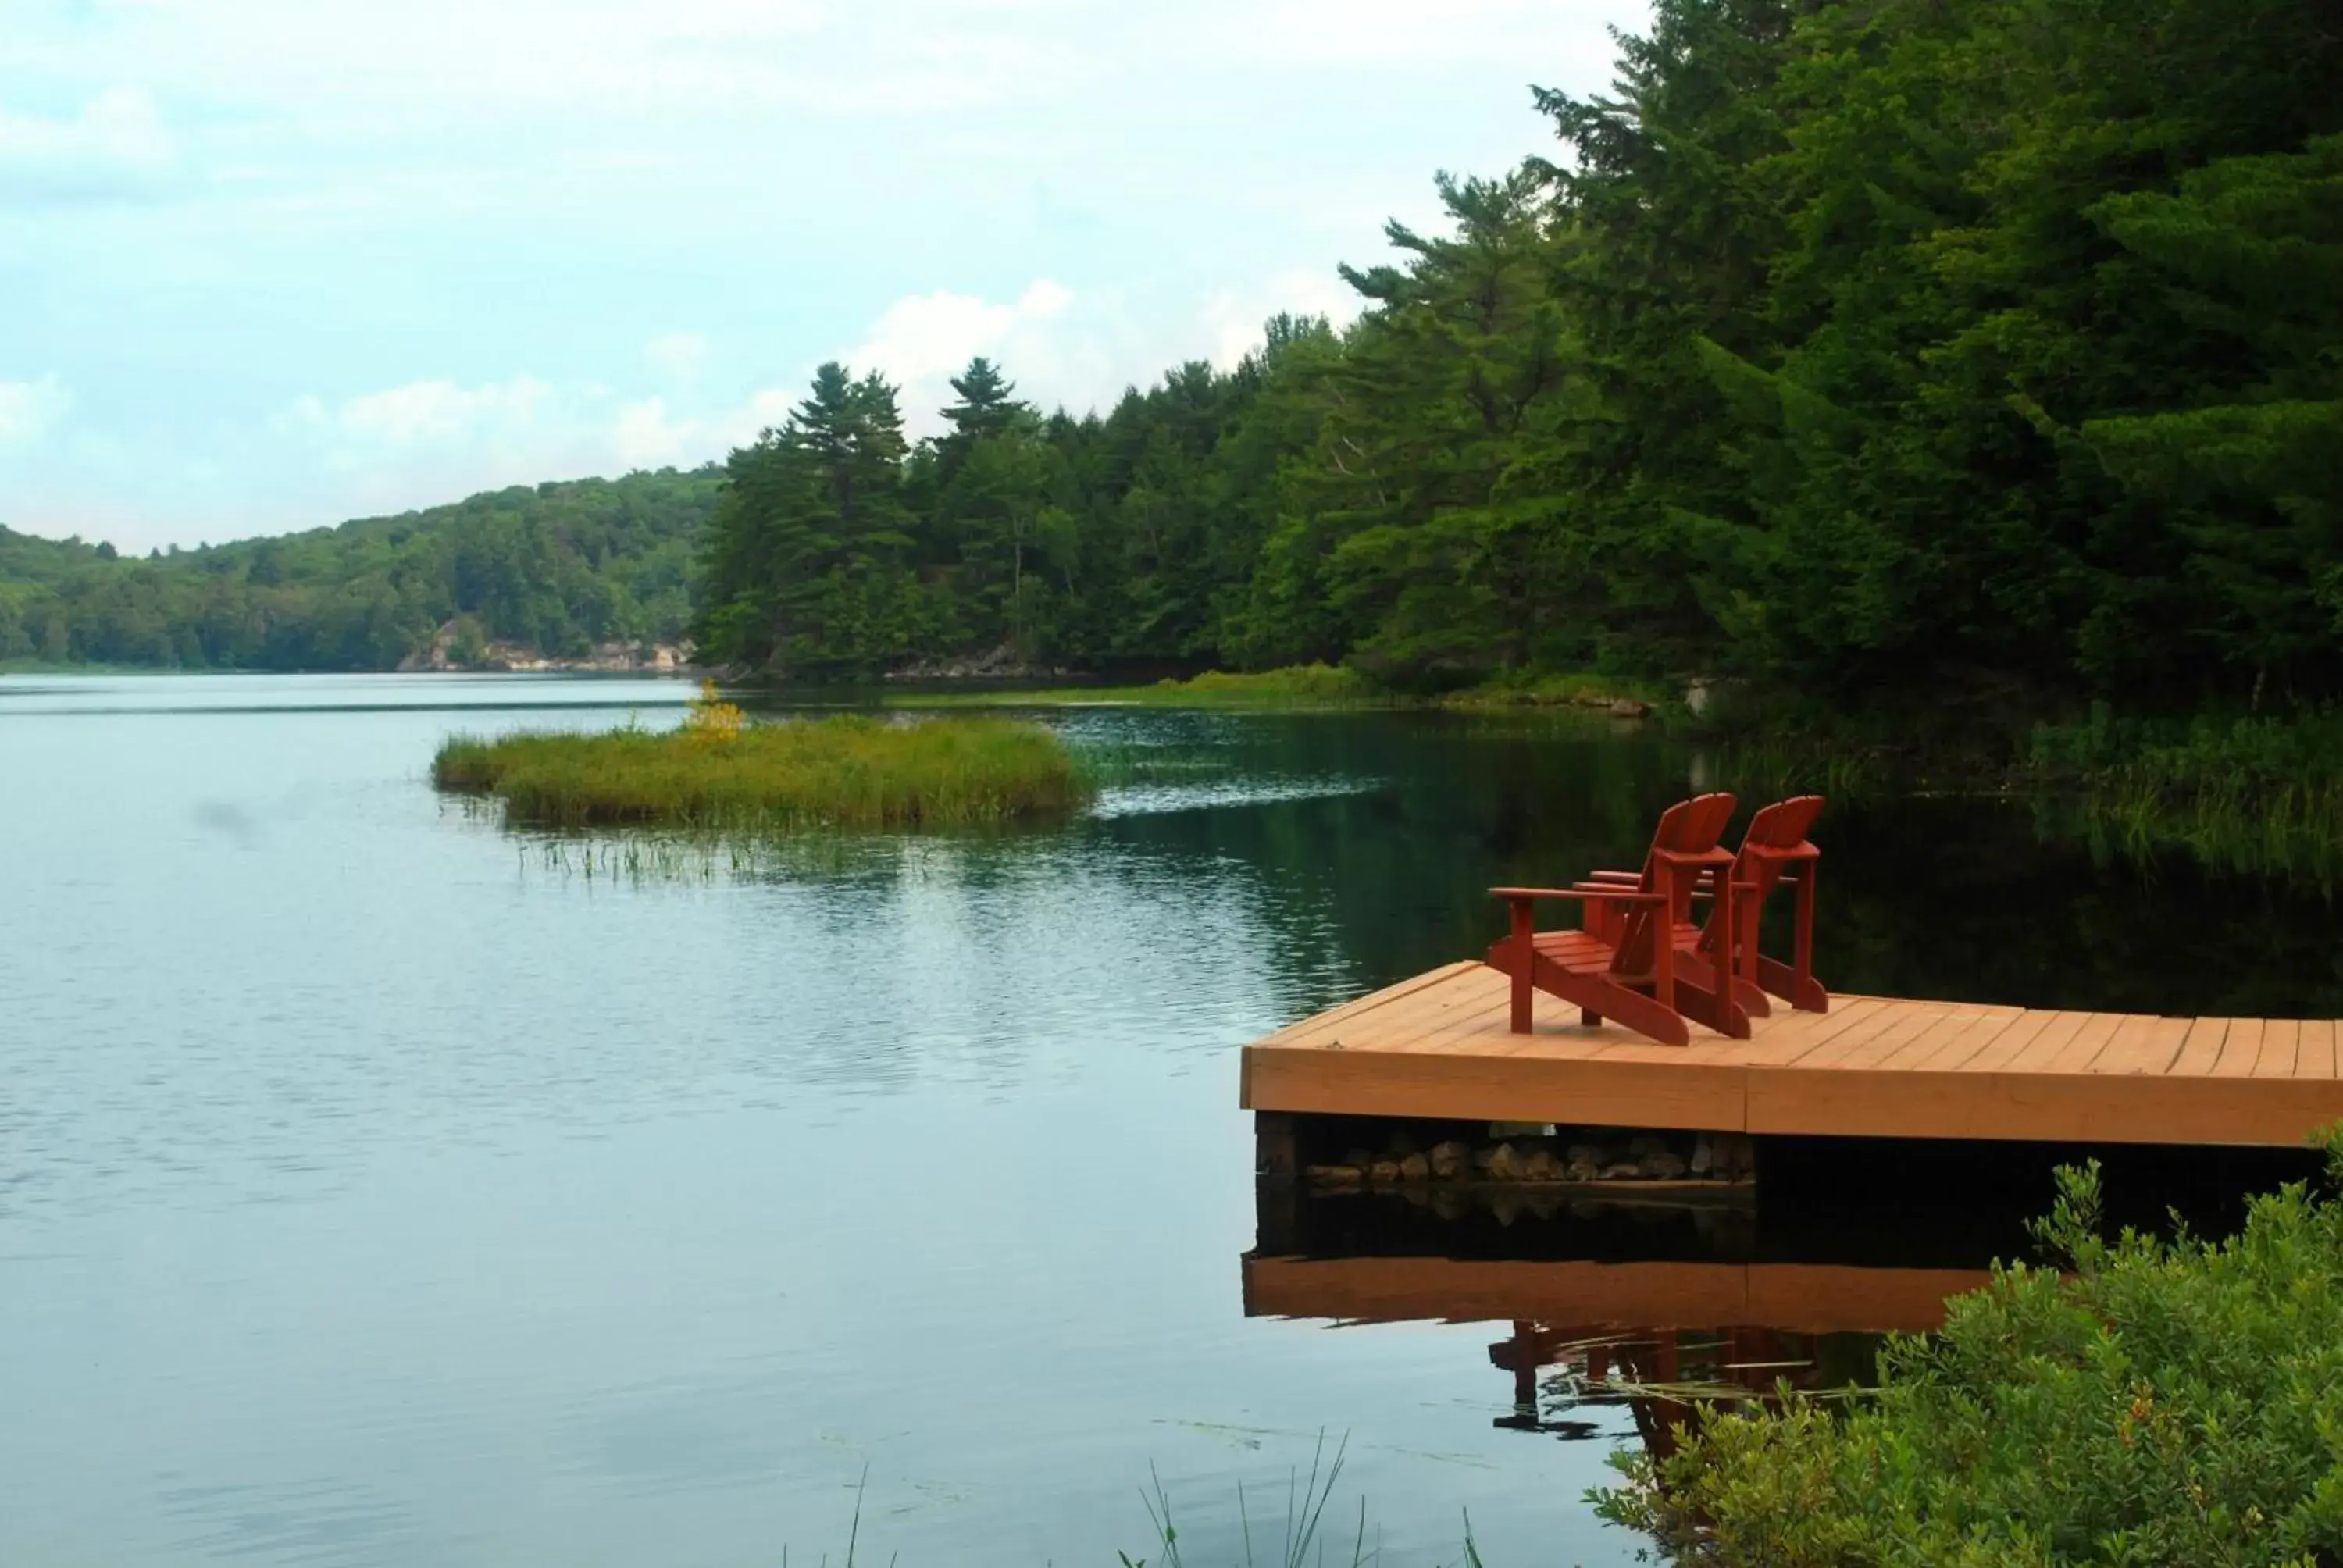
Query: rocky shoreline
(1605, 1158)
(450, 652)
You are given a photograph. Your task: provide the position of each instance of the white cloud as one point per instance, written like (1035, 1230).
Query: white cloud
(500, 183)
(650, 435)
(1233, 319)
(380, 66)
(1409, 33)
(116, 145)
(922, 340)
(425, 413)
(677, 355)
(28, 409)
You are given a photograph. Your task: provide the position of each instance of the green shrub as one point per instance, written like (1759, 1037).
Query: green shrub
(2169, 1402)
(849, 771)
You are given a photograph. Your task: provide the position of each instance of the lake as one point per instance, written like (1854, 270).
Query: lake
(379, 1188)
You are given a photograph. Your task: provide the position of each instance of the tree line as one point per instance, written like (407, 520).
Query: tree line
(556, 569)
(1984, 351)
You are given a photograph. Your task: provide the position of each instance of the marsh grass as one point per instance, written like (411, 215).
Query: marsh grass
(1303, 1541)
(848, 771)
(1301, 686)
(1582, 690)
(1773, 768)
(646, 856)
(2252, 794)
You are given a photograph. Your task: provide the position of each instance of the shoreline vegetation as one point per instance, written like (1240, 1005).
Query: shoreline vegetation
(2250, 794)
(2186, 1393)
(720, 774)
(1304, 688)
(2245, 792)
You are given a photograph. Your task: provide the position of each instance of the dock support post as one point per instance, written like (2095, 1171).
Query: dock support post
(1275, 1151)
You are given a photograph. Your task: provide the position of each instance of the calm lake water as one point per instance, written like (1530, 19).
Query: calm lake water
(378, 1188)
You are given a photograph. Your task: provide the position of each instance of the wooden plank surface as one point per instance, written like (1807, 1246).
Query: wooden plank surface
(1439, 1045)
(2318, 1049)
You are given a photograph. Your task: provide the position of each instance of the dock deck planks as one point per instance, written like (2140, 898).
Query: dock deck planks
(1438, 1045)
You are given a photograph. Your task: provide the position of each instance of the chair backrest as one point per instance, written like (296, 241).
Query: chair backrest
(1687, 827)
(1779, 827)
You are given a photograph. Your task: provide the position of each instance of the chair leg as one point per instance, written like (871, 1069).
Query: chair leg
(1524, 965)
(1794, 982)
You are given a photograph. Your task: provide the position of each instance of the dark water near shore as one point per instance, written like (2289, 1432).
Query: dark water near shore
(377, 1189)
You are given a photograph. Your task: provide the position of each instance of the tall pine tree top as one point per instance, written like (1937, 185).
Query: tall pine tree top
(987, 405)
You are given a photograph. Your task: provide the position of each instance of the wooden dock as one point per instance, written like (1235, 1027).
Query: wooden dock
(1439, 1046)
(1803, 1297)
(1631, 1331)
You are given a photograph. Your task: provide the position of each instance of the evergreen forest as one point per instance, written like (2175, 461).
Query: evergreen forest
(1988, 352)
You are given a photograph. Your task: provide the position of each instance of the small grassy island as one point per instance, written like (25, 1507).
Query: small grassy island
(720, 773)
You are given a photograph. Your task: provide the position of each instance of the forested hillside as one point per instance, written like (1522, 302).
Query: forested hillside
(556, 569)
(1981, 350)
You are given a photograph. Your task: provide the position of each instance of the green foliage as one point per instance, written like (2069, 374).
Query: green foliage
(806, 569)
(2169, 1402)
(558, 569)
(849, 771)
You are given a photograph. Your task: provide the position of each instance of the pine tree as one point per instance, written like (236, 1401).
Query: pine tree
(987, 408)
(806, 571)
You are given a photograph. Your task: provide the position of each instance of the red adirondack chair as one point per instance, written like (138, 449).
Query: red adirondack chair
(1773, 847)
(1622, 962)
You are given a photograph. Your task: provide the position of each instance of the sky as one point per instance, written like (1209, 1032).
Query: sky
(266, 265)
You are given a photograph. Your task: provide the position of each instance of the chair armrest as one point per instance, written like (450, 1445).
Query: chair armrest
(1614, 895)
(1701, 889)
(1718, 856)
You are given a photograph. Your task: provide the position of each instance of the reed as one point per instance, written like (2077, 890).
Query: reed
(720, 775)
(1578, 691)
(1772, 768)
(2253, 794)
(1306, 1540)
(1301, 686)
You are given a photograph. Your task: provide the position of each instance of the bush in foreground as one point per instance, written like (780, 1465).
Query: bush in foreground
(2168, 1402)
(714, 775)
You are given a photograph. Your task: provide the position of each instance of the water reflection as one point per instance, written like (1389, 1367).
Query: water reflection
(1653, 1305)
(1644, 1308)
(1398, 823)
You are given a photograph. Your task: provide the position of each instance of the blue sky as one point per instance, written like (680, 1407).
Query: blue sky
(270, 264)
